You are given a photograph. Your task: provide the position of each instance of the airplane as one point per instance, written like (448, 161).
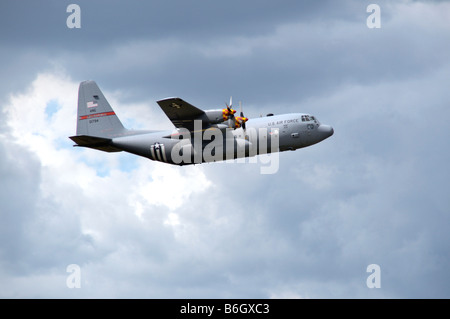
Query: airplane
(199, 136)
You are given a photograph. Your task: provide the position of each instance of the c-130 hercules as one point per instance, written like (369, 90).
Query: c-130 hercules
(199, 136)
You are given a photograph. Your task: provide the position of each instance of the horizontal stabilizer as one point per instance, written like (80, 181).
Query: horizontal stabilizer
(98, 143)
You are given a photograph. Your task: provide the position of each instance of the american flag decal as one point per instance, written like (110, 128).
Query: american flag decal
(91, 104)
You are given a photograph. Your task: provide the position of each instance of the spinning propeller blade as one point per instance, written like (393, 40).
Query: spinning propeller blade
(228, 114)
(240, 120)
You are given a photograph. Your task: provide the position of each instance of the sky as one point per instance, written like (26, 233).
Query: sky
(375, 193)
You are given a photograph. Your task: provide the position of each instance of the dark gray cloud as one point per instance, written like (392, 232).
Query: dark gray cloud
(112, 21)
(19, 190)
(373, 193)
(192, 26)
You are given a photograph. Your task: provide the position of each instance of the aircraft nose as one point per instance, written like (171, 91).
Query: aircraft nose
(325, 130)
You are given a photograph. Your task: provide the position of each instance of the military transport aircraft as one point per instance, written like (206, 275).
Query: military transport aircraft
(199, 136)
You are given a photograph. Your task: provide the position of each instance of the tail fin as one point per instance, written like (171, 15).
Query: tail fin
(95, 116)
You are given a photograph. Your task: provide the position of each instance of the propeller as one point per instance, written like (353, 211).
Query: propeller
(240, 120)
(228, 113)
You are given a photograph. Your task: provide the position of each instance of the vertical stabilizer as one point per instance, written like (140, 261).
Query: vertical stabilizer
(95, 116)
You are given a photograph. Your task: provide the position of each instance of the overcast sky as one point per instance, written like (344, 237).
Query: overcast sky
(376, 192)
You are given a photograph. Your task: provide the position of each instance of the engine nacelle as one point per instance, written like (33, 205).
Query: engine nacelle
(213, 116)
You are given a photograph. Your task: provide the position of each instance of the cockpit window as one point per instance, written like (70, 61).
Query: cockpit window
(305, 118)
(315, 120)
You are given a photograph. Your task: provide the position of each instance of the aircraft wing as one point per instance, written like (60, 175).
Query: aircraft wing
(180, 112)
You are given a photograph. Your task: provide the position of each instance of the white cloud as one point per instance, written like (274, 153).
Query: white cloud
(71, 192)
(47, 137)
(373, 193)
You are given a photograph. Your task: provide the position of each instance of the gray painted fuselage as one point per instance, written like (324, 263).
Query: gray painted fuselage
(198, 136)
(257, 138)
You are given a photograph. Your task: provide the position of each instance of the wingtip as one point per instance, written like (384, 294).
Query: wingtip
(168, 98)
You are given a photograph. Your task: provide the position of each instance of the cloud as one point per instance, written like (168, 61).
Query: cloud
(312, 55)
(373, 193)
(197, 232)
(70, 206)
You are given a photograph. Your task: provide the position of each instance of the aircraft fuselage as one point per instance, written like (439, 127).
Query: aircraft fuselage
(262, 135)
(199, 136)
